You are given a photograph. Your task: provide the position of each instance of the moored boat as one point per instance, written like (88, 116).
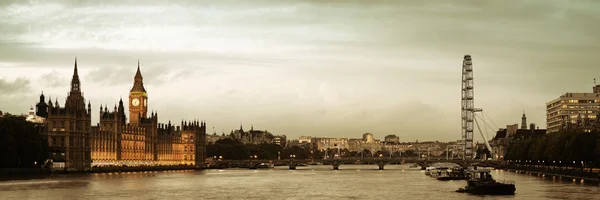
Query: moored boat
(456, 173)
(428, 170)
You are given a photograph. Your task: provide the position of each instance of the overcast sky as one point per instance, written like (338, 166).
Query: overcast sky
(320, 68)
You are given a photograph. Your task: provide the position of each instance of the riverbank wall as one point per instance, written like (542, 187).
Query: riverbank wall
(573, 173)
(32, 173)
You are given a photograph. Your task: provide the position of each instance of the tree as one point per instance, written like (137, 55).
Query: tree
(21, 143)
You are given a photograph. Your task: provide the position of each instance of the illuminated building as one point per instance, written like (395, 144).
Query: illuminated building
(76, 145)
(573, 110)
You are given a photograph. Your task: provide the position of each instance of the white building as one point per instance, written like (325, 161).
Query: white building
(570, 108)
(31, 117)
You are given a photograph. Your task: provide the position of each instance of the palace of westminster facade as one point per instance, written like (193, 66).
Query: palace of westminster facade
(76, 145)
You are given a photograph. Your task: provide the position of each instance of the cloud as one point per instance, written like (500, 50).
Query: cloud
(111, 76)
(53, 79)
(19, 86)
(315, 67)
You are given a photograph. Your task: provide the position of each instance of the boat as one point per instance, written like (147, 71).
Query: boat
(315, 163)
(482, 183)
(428, 170)
(262, 166)
(441, 171)
(456, 173)
(301, 165)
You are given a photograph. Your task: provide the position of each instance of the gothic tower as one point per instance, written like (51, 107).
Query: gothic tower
(523, 121)
(138, 99)
(42, 107)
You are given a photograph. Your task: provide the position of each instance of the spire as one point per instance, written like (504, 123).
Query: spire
(42, 98)
(138, 74)
(75, 87)
(121, 106)
(75, 71)
(138, 83)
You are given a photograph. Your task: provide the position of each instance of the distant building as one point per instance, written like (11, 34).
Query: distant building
(305, 139)
(280, 140)
(368, 138)
(32, 117)
(293, 143)
(392, 138)
(211, 139)
(367, 142)
(252, 136)
(573, 109)
(330, 143)
(512, 133)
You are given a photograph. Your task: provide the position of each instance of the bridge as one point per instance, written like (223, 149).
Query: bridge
(335, 163)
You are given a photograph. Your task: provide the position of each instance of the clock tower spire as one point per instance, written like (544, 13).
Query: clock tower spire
(138, 99)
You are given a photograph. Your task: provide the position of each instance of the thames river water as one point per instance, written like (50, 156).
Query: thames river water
(312, 182)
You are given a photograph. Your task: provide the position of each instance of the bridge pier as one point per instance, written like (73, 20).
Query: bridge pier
(292, 165)
(381, 164)
(336, 165)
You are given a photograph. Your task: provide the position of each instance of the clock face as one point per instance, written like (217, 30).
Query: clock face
(135, 102)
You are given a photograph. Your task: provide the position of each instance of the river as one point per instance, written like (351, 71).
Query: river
(312, 182)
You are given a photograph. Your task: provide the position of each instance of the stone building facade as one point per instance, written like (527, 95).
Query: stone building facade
(76, 145)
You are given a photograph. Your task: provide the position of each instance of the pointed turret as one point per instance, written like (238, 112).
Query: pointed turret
(138, 84)
(138, 74)
(75, 84)
(56, 103)
(42, 98)
(523, 121)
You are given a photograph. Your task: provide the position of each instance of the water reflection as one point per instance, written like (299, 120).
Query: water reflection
(312, 182)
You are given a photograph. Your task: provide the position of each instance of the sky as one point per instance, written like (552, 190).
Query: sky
(315, 67)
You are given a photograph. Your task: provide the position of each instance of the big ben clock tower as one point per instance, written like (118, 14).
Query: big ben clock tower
(138, 99)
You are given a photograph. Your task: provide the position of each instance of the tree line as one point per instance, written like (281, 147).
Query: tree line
(559, 148)
(21, 144)
(231, 149)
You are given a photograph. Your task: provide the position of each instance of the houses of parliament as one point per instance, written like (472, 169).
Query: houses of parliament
(76, 145)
